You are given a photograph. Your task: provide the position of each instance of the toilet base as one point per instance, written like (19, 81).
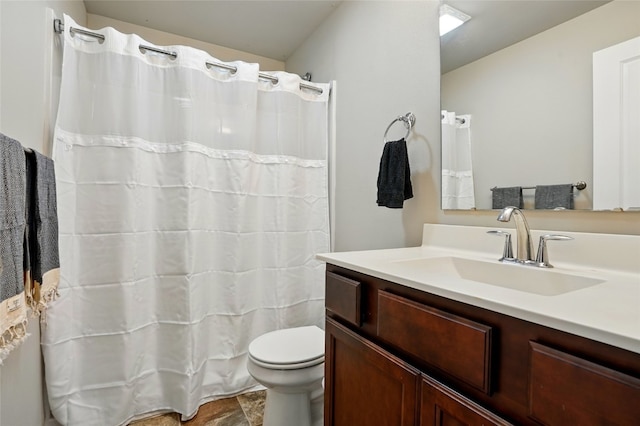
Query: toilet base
(294, 408)
(287, 409)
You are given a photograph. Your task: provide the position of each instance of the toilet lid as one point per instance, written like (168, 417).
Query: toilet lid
(289, 346)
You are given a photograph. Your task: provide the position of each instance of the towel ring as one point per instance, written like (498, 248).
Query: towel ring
(409, 120)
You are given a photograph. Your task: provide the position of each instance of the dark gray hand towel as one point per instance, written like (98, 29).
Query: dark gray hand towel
(41, 236)
(554, 196)
(12, 216)
(503, 197)
(394, 177)
(45, 215)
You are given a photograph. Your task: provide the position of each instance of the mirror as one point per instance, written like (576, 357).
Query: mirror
(526, 104)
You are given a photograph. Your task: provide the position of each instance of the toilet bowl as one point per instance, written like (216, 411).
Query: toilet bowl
(290, 364)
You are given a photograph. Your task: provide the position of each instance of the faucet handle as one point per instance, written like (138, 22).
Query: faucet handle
(542, 258)
(507, 252)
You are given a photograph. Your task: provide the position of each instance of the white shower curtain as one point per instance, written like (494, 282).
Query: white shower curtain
(192, 201)
(457, 169)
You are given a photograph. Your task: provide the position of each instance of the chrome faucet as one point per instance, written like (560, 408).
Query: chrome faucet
(524, 246)
(524, 251)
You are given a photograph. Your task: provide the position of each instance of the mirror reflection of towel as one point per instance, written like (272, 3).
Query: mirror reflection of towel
(394, 177)
(554, 196)
(510, 196)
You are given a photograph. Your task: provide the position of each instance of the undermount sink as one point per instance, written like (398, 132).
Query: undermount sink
(524, 278)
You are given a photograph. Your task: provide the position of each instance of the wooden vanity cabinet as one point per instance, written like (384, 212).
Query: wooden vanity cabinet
(399, 356)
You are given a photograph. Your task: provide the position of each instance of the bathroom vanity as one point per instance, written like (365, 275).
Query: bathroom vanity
(432, 336)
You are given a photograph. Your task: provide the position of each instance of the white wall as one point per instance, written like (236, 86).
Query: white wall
(384, 57)
(532, 104)
(27, 54)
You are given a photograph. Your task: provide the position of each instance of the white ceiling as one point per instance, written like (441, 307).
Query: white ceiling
(276, 28)
(496, 24)
(273, 29)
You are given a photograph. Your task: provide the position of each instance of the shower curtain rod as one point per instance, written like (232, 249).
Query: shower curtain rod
(271, 78)
(58, 27)
(459, 120)
(580, 185)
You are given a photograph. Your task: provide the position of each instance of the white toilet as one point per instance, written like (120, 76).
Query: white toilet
(290, 364)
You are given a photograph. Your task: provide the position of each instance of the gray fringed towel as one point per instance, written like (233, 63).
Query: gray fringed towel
(504, 197)
(554, 196)
(42, 231)
(13, 311)
(394, 176)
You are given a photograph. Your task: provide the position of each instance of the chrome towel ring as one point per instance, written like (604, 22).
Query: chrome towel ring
(409, 120)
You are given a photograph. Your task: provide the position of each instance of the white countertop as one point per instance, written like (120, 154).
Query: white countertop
(608, 312)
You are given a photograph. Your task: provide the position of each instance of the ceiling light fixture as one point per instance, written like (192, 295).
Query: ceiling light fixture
(451, 19)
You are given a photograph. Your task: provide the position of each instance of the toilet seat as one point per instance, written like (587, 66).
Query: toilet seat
(296, 366)
(289, 349)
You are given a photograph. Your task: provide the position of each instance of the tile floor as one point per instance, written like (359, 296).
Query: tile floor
(242, 410)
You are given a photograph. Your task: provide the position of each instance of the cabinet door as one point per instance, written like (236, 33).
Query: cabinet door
(365, 385)
(567, 390)
(441, 406)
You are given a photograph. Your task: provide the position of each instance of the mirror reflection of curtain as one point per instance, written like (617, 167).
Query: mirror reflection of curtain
(457, 170)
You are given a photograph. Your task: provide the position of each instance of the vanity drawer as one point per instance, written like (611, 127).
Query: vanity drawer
(343, 298)
(567, 390)
(454, 345)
